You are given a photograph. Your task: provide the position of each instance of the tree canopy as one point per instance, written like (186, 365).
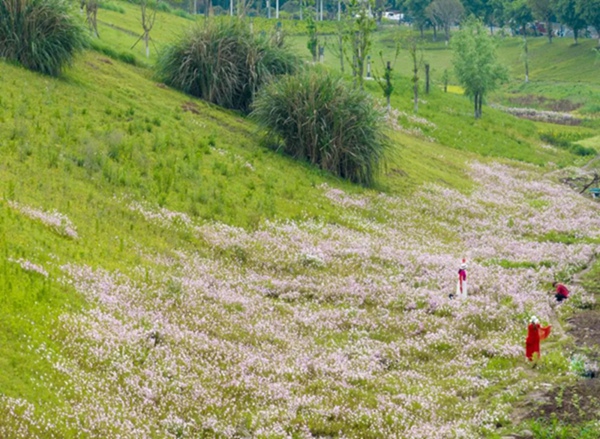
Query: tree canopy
(475, 62)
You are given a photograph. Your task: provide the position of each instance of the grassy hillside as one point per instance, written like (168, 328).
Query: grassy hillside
(166, 275)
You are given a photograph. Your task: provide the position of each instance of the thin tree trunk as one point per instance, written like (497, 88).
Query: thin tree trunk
(277, 9)
(426, 79)
(549, 30)
(575, 35)
(416, 93)
(340, 11)
(146, 41)
(341, 47)
(526, 54)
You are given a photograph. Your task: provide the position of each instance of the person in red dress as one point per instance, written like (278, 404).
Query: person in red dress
(561, 291)
(535, 334)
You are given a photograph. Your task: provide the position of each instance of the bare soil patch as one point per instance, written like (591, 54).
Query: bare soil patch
(572, 405)
(585, 328)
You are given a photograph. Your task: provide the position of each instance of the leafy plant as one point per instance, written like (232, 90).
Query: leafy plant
(41, 35)
(224, 63)
(323, 120)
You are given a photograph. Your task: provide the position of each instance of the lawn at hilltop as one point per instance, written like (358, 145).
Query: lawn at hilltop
(215, 288)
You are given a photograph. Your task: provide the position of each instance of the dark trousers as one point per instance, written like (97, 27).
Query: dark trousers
(560, 297)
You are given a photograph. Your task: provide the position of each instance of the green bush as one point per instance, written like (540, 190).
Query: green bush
(224, 63)
(325, 121)
(41, 35)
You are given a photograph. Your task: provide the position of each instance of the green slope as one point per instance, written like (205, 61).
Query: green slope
(106, 136)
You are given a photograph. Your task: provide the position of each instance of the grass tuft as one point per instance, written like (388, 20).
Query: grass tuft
(325, 121)
(224, 63)
(41, 35)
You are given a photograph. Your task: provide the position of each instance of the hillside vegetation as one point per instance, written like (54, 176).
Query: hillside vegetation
(165, 274)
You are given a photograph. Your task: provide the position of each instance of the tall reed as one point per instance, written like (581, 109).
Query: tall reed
(320, 118)
(224, 63)
(41, 35)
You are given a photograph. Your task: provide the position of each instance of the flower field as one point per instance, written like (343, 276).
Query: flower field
(309, 329)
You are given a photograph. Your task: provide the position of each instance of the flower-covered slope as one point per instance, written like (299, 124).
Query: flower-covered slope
(301, 329)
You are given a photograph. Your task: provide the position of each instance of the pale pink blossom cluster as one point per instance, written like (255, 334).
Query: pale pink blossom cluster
(57, 221)
(30, 266)
(300, 328)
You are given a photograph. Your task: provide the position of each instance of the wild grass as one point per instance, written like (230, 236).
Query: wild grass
(224, 63)
(41, 35)
(325, 121)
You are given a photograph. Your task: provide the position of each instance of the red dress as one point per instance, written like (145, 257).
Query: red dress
(535, 333)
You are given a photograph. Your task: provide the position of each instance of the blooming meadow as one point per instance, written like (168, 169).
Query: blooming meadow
(305, 328)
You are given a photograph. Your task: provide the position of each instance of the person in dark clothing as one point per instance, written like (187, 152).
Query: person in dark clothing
(561, 291)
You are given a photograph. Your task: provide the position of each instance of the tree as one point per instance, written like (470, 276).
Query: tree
(445, 13)
(313, 42)
(542, 10)
(385, 82)
(475, 63)
(359, 37)
(416, 57)
(566, 11)
(590, 11)
(91, 14)
(518, 14)
(417, 12)
(148, 8)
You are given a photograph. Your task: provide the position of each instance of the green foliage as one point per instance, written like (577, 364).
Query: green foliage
(224, 63)
(590, 11)
(569, 15)
(555, 429)
(325, 121)
(565, 140)
(110, 6)
(41, 35)
(475, 62)
(109, 51)
(358, 37)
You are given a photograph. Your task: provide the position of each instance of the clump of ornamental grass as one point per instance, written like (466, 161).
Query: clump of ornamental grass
(224, 63)
(41, 35)
(317, 117)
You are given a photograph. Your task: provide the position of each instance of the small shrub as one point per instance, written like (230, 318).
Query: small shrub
(41, 35)
(224, 63)
(325, 121)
